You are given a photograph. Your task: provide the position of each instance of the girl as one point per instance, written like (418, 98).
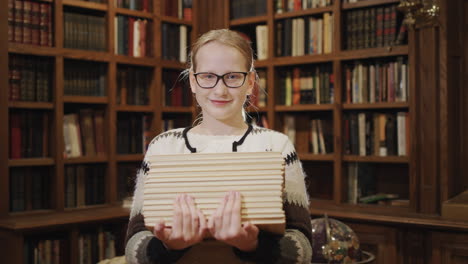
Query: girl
(221, 77)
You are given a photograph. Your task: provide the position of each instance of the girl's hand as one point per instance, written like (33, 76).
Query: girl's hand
(188, 225)
(225, 224)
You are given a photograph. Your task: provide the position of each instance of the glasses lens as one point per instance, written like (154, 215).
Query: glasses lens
(234, 79)
(206, 79)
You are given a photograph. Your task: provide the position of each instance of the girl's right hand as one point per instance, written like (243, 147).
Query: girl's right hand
(188, 225)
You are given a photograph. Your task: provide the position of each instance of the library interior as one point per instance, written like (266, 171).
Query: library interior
(371, 94)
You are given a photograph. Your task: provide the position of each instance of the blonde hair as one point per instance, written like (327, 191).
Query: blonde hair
(226, 37)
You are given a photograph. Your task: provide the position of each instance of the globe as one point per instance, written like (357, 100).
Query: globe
(334, 242)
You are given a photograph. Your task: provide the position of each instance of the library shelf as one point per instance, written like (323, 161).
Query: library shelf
(86, 5)
(361, 4)
(379, 52)
(86, 159)
(21, 222)
(134, 108)
(304, 107)
(173, 64)
(175, 20)
(389, 215)
(249, 20)
(30, 105)
(134, 13)
(99, 56)
(316, 157)
(377, 159)
(306, 59)
(384, 105)
(27, 49)
(85, 99)
(139, 61)
(177, 109)
(31, 162)
(129, 157)
(304, 12)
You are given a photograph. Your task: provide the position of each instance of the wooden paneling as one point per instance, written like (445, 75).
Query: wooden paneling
(210, 15)
(449, 248)
(4, 183)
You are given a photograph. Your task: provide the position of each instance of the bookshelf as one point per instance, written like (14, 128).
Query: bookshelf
(95, 68)
(423, 175)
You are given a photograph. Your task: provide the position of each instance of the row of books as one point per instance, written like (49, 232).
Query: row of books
(363, 187)
(83, 133)
(27, 80)
(140, 5)
(169, 123)
(374, 27)
(84, 78)
(126, 173)
(296, 5)
(29, 134)
(314, 85)
(132, 36)
(376, 134)
(84, 185)
(248, 8)
(377, 81)
(175, 42)
(181, 9)
(86, 32)
(30, 22)
(133, 131)
(96, 246)
(133, 85)
(29, 188)
(177, 90)
(319, 131)
(39, 251)
(302, 36)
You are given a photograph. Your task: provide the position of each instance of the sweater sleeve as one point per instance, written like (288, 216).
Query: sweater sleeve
(295, 245)
(141, 246)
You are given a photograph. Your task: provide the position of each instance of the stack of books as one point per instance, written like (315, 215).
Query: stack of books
(258, 176)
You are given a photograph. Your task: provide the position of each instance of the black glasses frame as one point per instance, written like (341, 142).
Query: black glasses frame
(219, 77)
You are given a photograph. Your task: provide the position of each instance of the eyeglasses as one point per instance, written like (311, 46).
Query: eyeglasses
(231, 79)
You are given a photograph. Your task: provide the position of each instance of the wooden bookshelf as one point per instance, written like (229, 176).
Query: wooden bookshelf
(19, 227)
(427, 109)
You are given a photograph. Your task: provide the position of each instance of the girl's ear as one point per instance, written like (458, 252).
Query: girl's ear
(192, 81)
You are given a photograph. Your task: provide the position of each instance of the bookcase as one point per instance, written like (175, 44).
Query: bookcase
(366, 101)
(87, 85)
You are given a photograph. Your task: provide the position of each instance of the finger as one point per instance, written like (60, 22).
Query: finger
(236, 210)
(186, 216)
(250, 229)
(217, 216)
(228, 210)
(203, 226)
(177, 217)
(159, 230)
(195, 221)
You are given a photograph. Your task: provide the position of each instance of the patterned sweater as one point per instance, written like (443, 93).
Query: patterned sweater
(292, 247)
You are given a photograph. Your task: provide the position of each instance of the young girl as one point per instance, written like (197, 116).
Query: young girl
(221, 75)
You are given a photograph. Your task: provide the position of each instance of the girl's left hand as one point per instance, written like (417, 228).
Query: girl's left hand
(225, 224)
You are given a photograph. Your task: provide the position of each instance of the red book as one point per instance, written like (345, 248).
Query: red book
(27, 7)
(43, 24)
(15, 136)
(18, 13)
(11, 20)
(35, 23)
(131, 34)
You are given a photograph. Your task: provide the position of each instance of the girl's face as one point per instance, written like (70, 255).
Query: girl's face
(221, 102)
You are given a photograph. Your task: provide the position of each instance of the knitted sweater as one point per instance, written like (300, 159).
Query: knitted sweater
(292, 247)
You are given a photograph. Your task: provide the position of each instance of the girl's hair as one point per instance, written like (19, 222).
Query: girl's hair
(226, 37)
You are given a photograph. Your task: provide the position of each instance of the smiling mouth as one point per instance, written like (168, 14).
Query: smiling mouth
(220, 102)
